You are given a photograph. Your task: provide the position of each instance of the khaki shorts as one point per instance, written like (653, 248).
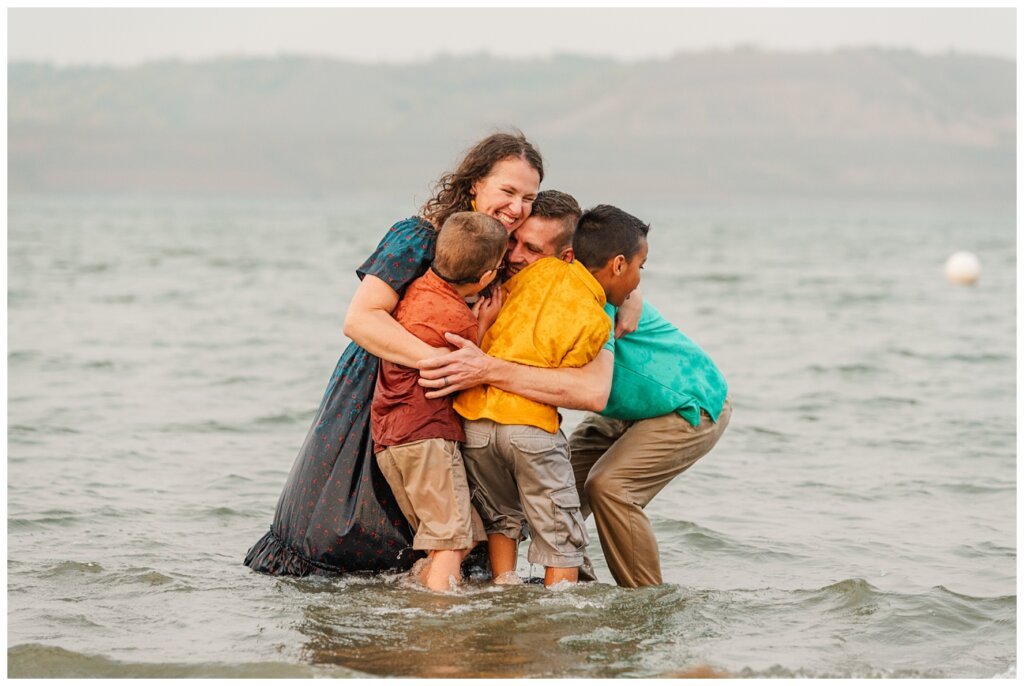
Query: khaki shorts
(521, 475)
(428, 479)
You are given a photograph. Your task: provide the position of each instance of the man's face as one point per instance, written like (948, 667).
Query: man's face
(531, 241)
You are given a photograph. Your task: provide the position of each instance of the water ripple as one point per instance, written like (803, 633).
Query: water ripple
(33, 660)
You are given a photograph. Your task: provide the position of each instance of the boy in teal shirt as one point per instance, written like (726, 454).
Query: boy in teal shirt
(667, 408)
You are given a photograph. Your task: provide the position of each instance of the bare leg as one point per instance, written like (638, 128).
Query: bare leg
(444, 566)
(554, 575)
(502, 551)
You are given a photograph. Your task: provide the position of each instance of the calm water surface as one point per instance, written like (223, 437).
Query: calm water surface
(165, 358)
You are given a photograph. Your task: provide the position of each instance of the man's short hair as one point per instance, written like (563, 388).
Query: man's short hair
(604, 232)
(558, 205)
(468, 245)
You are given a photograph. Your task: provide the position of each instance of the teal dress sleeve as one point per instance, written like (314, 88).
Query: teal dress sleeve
(403, 255)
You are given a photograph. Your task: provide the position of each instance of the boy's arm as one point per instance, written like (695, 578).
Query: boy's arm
(370, 325)
(627, 319)
(486, 310)
(577, 388)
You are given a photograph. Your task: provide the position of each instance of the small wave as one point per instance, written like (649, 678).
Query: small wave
(144, 576)
(32, 523)
(841, 492)
(17, 298)
(720, 278)
(119, 299)
(985, 548)
(976, 489)
(235, 381)
(905, 488)
(22, 355)
(153, 578)
(281, 418)
(230, 480)
(890, 400)
(955, 357)
(34, 660)
(208, 426)
(222, 513)
(933, 615)
(179, 252)
(42, 429)
(847, 370)
(904, 352)
(844, 299)
(242, 263)
(779, 672)
(599, 636)
(981, 357)
(1011, 599)
(850, 591)
(174, 296)
(765, 431)
(692, 537)
(71, 567)
(100, 364)
(139, 575)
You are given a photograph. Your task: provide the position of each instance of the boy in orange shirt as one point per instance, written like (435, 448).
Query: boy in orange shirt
(416, 439)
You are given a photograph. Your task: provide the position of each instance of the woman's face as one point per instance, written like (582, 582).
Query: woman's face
(508, 192)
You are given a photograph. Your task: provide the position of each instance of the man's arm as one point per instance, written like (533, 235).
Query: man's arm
(577, 388)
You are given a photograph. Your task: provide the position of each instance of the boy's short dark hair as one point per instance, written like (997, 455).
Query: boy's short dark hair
(558, 205)
(604, 232)
(468, 245)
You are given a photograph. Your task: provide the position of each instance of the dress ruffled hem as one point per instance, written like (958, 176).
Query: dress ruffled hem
(270, 555)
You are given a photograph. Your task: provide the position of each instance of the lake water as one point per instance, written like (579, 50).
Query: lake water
(165, 358)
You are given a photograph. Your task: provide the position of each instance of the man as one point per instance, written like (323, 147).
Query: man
(656, 409)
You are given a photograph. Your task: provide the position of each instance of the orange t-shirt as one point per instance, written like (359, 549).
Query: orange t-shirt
(400, 412)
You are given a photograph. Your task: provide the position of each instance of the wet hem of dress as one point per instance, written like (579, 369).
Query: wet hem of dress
(286, 561)
(282, 559)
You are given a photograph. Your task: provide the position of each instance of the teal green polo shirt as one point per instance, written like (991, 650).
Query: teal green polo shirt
(659, 370)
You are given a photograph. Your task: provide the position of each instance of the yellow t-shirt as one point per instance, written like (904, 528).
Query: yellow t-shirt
(553, 316)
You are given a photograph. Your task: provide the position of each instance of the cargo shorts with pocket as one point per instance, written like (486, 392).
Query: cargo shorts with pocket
(522, 484)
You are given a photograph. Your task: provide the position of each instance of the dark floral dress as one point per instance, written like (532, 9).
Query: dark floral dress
(336, 513)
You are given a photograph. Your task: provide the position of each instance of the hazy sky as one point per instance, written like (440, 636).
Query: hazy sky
(130, 36)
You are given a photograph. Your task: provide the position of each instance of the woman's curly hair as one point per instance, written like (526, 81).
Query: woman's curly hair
(453, 191)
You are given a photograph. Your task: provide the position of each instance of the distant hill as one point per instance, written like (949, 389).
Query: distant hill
(726, 124)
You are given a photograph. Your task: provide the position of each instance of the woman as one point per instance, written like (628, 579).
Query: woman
(336, 513)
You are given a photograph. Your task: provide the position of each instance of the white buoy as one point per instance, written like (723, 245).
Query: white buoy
(962, 268)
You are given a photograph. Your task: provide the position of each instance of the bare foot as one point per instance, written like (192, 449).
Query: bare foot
(420, 570)
(508, 579)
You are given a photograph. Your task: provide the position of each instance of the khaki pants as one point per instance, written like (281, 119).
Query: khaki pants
(428, 479)
(620, 466)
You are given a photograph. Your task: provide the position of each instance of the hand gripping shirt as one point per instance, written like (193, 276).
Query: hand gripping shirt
(659, 370)
(553, 316)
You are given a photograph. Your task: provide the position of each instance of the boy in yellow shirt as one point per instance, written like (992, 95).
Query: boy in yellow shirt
(517, 458)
